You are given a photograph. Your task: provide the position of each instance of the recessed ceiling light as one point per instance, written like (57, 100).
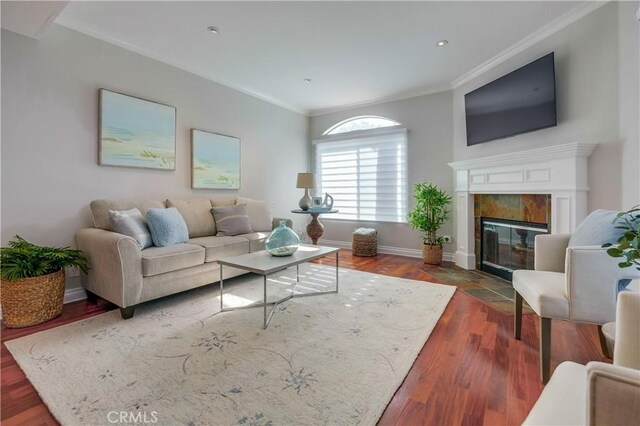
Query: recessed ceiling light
(213, 30)
(442, 43)
(307, 80)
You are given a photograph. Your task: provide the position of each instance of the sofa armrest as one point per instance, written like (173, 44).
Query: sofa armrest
(276, 221)
(592, 278)
(116, 266)
(613, 394)
(550, 250)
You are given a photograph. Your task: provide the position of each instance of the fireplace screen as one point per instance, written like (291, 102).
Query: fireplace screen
(507, 245)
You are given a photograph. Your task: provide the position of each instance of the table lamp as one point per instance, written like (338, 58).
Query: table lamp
(306, 181)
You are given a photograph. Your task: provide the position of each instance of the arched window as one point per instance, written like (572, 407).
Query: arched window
(362, 163)
(363, 122)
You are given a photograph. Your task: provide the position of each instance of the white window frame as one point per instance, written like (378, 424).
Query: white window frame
(360, 117)
(362, 134)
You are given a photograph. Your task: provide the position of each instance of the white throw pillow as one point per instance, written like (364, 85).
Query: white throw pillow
(260, 213)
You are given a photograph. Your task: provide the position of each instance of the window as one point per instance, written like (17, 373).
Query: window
(363, 122)
(365, 172)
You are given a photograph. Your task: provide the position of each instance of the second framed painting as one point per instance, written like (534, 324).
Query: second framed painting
(215, 161)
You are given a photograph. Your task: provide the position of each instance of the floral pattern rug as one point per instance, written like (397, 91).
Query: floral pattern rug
(324, 360)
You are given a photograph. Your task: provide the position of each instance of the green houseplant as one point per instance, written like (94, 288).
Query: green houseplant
(430, 213)
(32, 281)
(628, 245)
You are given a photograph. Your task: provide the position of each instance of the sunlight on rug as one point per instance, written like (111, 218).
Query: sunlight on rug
(327, 359)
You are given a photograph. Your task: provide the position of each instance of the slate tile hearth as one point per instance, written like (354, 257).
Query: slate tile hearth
(493, 291)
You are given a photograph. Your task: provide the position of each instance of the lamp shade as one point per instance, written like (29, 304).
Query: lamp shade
(306, 180)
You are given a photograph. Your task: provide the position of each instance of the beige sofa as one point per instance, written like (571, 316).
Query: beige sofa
(127, 276)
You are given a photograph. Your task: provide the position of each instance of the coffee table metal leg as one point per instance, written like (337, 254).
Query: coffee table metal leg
(336, 272)
(265, 301)
(221, 287)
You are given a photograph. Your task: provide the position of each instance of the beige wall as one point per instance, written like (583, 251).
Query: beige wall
(428, 121)
(49, 134)
(629, 93)
(587, 86)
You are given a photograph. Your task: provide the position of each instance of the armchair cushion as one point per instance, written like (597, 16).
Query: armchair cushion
(544, 292)
(563, 400)
(596, 229)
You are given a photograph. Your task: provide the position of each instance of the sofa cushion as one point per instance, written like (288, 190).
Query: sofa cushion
(231, 220)
(158, 260)
(256, 240)
(100, 209)
(197, 216)
(219, 247)
(130, 222)
(596, 229)
(222, 202)
(260, 213)
(167, 227)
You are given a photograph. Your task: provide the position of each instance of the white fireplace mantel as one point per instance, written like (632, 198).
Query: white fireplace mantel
(559, 170)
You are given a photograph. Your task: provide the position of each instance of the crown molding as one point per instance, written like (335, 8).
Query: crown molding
(382, 100)
(569, 150)
(535, 37)
(74, 25)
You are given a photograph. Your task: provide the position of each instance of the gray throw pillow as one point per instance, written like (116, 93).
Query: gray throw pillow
(167, 227)
(131, 223)
(232, 220)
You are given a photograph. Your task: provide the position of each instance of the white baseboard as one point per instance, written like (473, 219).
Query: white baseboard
(399, 251)
(74, 294)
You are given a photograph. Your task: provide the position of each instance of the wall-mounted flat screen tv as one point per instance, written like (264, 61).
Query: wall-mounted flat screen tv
(519, 102)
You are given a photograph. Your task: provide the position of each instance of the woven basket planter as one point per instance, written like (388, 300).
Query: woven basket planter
(32, 301)
(432, 255)
(365, 245)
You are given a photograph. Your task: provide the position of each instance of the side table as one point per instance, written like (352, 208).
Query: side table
(314, 229)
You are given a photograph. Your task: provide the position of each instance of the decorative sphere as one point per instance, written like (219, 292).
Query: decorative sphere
(282, 241)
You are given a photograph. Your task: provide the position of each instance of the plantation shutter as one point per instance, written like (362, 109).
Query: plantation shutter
(365, 173)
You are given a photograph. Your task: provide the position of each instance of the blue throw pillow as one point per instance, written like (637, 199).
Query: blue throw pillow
(596, 229)
(167, 227)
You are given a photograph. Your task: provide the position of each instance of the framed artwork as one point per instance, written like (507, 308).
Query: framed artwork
(136, 133)
(215, 161)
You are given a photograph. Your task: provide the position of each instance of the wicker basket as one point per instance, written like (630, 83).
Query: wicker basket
(432, 255)
(365, 245)
(32, 301)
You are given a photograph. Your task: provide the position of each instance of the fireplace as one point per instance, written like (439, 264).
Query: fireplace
(507, 245)
(557, 170)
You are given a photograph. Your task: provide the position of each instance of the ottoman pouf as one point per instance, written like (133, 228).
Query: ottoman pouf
(365, 242)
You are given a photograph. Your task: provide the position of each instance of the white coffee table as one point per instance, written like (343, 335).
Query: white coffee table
(264, 264)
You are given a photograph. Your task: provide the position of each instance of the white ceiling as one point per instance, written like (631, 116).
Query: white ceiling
(29, 18)
(355, 52)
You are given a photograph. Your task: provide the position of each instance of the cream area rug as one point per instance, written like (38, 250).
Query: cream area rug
(334, 359)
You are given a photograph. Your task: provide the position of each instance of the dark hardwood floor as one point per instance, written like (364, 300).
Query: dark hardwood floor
(471, 371)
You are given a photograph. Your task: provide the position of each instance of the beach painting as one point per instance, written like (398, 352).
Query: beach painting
(215, 161)
(136, 133)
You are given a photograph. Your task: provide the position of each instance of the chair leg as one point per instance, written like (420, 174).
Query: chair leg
(603, 343)
(127, 312)
(545, 349)
(517, 317)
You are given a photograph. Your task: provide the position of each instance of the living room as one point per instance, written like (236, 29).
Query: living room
(276, 77)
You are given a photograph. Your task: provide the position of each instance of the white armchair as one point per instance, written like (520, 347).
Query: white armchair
(598, 393)
(569, 283)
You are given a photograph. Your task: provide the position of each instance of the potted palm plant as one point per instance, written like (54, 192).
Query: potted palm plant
(32, 281)
(428, 216)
